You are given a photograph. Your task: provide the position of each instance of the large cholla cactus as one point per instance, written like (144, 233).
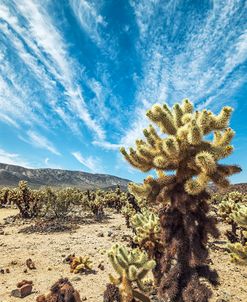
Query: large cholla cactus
(131, 266)
(184, 210)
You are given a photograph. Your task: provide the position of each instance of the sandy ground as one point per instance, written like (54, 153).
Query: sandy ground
(49, 250)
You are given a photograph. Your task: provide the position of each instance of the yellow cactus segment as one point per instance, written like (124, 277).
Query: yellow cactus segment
(197, 185)
(206, 162)
(195, 134)
(171, 147)
(222, 120)
(187, 106)
(177, 115)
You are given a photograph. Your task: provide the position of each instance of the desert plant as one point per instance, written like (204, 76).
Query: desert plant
(131, 266)
(80, 264)
(28, 201)
(184, 219)
(239, 249)
(230, 204)
(116, 199)
(59, 202)
(146, 226)
(96, 203)
(4, 192)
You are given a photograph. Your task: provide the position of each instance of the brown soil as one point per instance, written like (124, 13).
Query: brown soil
(49, 250)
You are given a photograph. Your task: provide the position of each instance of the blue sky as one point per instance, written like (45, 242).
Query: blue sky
(77, 76)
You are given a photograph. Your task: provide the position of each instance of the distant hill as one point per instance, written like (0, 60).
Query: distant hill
(10, 175)
(241, 187)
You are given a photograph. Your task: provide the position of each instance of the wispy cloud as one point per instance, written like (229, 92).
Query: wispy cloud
(199, 56)
(89, 18)
(90, 162)
(107, 145)
(12, 159)
(40, 141)
(42, 50)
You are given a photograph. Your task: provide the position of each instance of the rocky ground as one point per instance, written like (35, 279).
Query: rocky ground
(92, 238)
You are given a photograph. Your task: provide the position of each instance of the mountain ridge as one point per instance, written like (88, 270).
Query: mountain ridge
(10, 175)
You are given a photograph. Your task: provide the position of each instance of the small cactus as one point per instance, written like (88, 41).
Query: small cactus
(131, 267)
(238, 253)
(80, 264)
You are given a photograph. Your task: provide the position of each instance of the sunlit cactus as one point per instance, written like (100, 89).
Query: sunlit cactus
(239, 215)
(128, 211)
(238, 253)
(147, 230)
(116, 199)
(4, 192)
(28, 201)
(228, 210)
(81, 264)
(96, 203)
(180, 142)
(131, 267)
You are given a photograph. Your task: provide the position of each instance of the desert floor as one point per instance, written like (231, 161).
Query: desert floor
(91, 238)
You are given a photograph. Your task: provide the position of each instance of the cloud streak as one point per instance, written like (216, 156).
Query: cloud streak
(42, 142)
(195, 57)
(93, 164)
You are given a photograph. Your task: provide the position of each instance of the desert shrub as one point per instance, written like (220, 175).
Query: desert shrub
(28, 201)
(95, 202)
(4, 192)
(59, 202)
(238, 249)
(229, 204)
(183, 147)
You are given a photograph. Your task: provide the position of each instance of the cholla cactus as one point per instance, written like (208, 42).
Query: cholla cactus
(116, 199)
(131, 267)
(81, 264)
(4, 192)
(182, 195)
(96, 203)
(239, 215)
(60, 202)
(128, 211)
(227, 207)
(146, 226)
(238, 253)
(28, 201)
